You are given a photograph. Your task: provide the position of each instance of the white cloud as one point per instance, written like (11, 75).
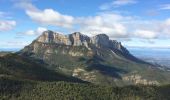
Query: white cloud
(46, 16)
(102, 23)
(150, 29)
(117, 26)
(6, 25)
(147, 34)
(25, 4)
(112, 24)
(165, 28)
(108, 23)
(38, 31)
(51, 17)
(117, 3)
(123, 2)
(165, 7)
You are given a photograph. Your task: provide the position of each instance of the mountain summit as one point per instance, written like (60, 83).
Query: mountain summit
(78, 39)
(94, 59)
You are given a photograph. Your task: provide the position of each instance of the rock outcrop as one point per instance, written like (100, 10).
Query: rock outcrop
(52, 37)
(85, 75)
(137, 79)
(78, 39)
(101, 40)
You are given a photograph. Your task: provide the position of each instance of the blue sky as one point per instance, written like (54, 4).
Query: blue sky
(136, 23)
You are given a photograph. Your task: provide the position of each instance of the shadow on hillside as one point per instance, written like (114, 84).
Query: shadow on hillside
(95, 64)
(11, 86)
(129, 56)
(31, 69)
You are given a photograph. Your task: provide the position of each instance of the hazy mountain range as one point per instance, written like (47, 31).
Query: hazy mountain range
(153, 55)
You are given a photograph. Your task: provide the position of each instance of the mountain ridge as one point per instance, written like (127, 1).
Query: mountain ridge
(94, 59)
(76, 39)
(79, 39)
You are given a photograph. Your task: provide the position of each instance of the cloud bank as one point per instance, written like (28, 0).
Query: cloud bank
(113, 24)
(6, 25)
(38, 31)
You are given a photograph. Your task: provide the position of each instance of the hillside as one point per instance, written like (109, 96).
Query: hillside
(24, 78)
(95, 59)
(3, 53)
(25, 90)
(15, 66)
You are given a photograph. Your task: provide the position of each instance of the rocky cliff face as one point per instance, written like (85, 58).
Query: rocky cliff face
(78, 39)
(52, 37)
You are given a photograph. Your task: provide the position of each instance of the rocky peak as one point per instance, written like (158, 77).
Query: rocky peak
(102, 36)
(46, 37)
(53, 37)
(78, 39)
(115, 44)
(101, 40)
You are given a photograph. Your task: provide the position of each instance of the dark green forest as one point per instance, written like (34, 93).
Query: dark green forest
(12, 89)
(23, 78)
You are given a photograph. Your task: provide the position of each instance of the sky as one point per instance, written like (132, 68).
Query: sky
(135, 23)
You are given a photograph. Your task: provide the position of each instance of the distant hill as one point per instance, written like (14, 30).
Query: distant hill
(3, 53)
(159, 56)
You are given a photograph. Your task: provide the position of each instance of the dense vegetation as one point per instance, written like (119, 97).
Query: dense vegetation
(27, 68)
(31, 90)
(23, 78)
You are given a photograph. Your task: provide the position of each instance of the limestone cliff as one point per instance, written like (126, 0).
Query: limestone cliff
(78, 39)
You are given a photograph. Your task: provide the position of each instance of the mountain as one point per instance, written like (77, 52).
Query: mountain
(75, 66)
(95, 59)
